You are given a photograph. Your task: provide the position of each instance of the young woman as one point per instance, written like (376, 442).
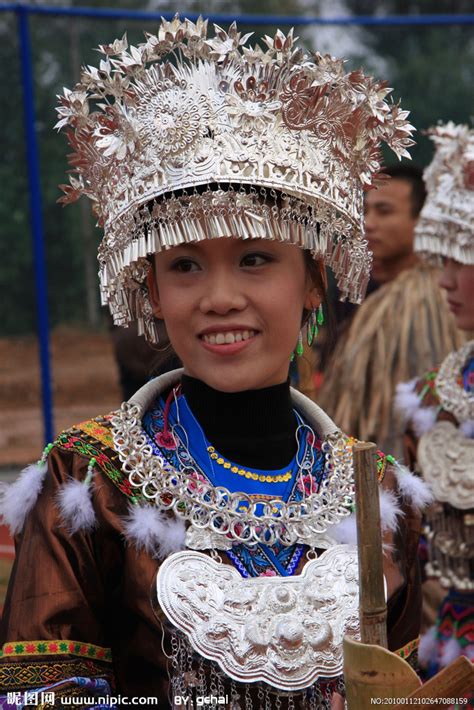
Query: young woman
(200, 541)
(439, 407)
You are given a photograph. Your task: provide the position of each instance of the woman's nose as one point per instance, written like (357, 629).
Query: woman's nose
(222, 293)
(447, 277)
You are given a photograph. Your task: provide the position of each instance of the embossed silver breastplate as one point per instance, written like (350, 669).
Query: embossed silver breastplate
(284, 632)
(446, 459)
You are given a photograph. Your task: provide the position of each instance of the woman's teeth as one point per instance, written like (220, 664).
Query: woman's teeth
(228, 338)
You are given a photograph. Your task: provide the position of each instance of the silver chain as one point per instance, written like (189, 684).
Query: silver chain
(453, 396)
(218, 509)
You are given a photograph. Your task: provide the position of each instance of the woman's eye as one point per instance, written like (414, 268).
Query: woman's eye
(255, 259)
(184, 266)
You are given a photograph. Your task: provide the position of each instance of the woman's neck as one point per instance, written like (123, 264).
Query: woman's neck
(255, 428)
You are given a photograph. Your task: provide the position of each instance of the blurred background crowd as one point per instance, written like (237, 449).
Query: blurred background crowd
(429, 64)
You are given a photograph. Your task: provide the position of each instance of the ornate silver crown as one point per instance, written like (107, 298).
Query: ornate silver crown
(184, 138)
(446, 224)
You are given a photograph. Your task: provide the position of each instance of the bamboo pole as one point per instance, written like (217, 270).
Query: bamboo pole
(454, 681)
(372, 604)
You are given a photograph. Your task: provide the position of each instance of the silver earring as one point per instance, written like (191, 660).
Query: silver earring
(145, 317)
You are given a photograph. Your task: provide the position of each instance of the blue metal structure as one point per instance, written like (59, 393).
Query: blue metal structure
(36, 221)
(280, 20)
(23, 11)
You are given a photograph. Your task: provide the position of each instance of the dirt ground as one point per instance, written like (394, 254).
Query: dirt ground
(85, 384)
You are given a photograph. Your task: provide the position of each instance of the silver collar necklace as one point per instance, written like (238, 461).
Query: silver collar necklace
(218, 510)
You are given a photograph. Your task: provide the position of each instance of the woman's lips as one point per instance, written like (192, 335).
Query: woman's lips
(454, 307)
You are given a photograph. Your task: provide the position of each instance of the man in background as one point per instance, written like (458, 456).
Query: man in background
(391, 213)
(402, 328)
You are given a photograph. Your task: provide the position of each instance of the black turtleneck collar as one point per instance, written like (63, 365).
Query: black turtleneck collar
(255, 428)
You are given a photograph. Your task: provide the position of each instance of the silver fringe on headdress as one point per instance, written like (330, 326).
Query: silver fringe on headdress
(446, 224)
(184, 138)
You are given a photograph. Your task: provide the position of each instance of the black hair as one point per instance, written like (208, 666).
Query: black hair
(412, 174)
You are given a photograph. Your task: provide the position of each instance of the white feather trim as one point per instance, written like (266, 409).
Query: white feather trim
(153, 530)
(424, 419)
(412, 487)
(450, 650)
(427, 648)
(469, 652)
(17, 499)
(75, 506)
(390, 511)
(406, 399)
(467, 428)
(174, 539)
(345, 532)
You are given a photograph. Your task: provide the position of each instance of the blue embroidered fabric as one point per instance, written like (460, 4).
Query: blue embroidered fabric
(468, 376)
(175, 434)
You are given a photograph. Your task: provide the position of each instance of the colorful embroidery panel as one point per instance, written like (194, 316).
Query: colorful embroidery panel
(41, 671)
(93, 439)
(407, 650)
(427, 385)
(61, 647)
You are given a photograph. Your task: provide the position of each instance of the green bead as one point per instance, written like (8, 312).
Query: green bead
(320, 316)
(299, 349)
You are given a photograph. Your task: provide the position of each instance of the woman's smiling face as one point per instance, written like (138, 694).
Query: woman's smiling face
(233, 308)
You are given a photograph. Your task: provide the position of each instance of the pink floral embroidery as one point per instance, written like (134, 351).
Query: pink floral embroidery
(268, 573)
(313, 441)
(198, 478)
(165, 439)
(307, 484)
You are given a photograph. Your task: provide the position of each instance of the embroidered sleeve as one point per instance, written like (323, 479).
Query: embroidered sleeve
(42, 672)
(57, 595)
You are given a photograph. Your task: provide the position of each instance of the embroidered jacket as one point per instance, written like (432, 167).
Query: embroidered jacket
(81, 605)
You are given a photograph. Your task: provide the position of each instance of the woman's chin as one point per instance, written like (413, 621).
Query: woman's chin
(239, 379)
(465, 322)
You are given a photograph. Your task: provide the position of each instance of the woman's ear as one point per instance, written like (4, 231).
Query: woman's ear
(153, 293)
(316, 285)
(313, 299)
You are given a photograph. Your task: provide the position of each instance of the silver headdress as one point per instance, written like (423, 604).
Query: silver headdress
(184, 138)
(446, 224)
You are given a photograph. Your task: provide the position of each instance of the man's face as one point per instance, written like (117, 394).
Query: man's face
(389, 220)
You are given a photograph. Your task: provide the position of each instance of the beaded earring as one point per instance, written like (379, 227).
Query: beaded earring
(314, 322)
